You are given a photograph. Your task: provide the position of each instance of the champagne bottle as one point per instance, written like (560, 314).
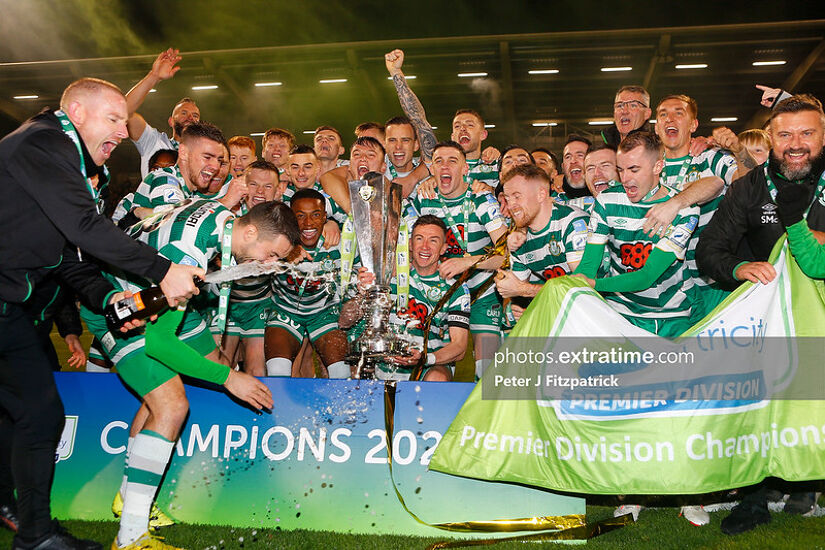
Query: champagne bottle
(144, 304)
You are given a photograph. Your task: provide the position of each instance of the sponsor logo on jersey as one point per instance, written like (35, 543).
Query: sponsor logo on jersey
(188, 260)
(579, 226)
(634, 255)
(553, 272)
(769, 215)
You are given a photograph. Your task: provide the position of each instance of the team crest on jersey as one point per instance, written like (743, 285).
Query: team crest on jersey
(556, 249)
(328, 265)
(434, 294)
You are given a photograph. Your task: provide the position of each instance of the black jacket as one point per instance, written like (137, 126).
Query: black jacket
(46, 204)
(612, 137)
(746, 225)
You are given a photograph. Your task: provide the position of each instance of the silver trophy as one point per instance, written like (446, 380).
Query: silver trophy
(376, 215)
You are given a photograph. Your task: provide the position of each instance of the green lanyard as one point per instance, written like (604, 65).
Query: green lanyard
(680, 178)
(652, 192)
(347, 254)
(402, 265)
(820, 186)
(69, 129)
(226, 260)
(393, 171)
(466, 209)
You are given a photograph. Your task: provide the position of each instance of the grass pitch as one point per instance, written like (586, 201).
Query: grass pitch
(658, 529)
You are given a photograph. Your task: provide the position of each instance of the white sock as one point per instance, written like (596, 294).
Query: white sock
(339, 370)
(279, 366)
(129, 444)
(481, 366)
(147, 461)
(92, 367)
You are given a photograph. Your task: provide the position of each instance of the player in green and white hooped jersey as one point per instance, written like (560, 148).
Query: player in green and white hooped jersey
(646, 283)
(367, 154)
(304, 170)
(241, 154)
(194, 234)
(469, 132)
(599, 170)
(200, 155)
(449, 330)
(511, 156)
(328, 146)
(574, 190)
(250, 299)
(474, 222)
(401, 143)
(698, 180)
(555, 235)
(305, 308)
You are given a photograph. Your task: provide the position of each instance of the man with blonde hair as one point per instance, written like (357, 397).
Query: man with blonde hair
(51, 169)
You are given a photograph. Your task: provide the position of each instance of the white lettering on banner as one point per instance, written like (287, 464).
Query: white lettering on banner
(279, 443)
(305, 438)
(104, 437)
(290, 443)
(700, 446)
(230, 444)
(707, 447)
(335, 439)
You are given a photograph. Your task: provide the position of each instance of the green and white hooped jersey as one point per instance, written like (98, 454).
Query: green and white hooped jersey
(163, 186)
(484, 218)
(191, 237)
(679, 172)
(582, 203)
(425, 292)
(546, 254)
(617, 222)
(481, 171)
(251, 289)
(298, 296)
(334, 211)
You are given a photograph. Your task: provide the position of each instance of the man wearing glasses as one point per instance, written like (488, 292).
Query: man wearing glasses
(631, 109)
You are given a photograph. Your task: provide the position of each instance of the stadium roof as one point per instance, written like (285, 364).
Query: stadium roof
(571, 93)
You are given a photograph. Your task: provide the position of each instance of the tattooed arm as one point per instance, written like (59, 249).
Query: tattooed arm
(410, 104)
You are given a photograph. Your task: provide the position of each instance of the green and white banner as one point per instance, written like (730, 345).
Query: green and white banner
(581, 400)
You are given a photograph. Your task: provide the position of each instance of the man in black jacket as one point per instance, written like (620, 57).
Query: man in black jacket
(754, 214)
(48, 214)
(631, 111)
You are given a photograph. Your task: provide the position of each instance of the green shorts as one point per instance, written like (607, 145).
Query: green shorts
(298, 326)
(245, 319)
(140, 372)
(486, 315)
(704, 299)
(670, 327)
